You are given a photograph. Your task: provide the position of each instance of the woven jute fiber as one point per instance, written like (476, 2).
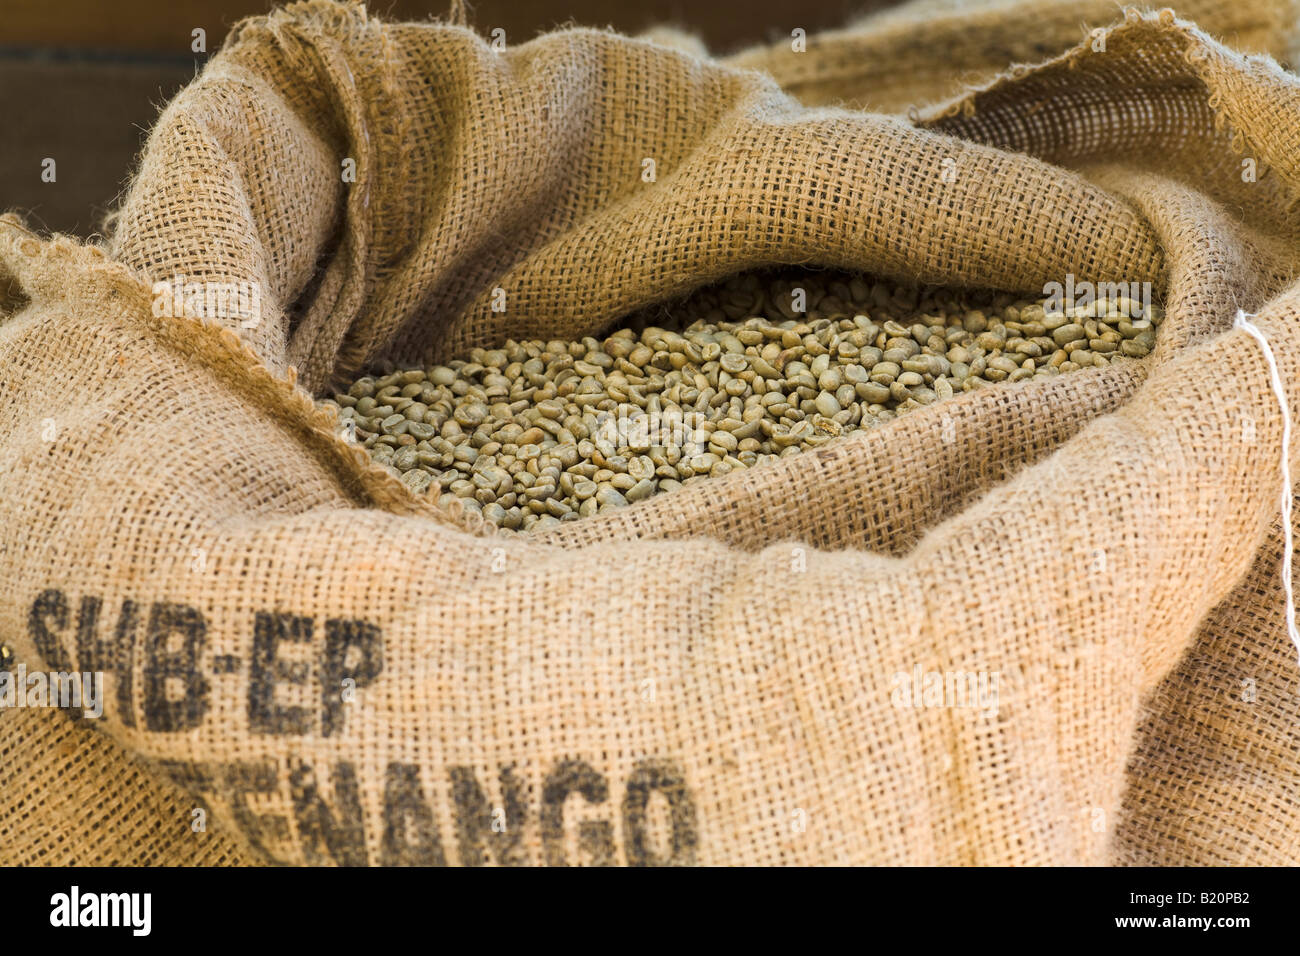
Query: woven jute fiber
(332, 671)
(923, 51)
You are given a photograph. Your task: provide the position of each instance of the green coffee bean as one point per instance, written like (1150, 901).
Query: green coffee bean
(533, 434)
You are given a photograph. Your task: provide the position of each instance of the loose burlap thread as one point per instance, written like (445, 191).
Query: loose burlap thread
(334, 671)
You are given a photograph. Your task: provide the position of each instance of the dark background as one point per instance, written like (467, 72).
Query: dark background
(82, 81)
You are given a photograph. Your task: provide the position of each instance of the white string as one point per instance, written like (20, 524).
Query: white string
(1288, 546)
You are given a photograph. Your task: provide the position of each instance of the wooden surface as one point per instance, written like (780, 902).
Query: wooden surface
(90, 117)
(82, 80)
(163, 26)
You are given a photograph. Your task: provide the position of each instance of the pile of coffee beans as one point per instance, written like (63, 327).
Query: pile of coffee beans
(533, 433)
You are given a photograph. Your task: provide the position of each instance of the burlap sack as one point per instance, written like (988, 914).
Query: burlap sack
(342, 673)
(924, 51)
